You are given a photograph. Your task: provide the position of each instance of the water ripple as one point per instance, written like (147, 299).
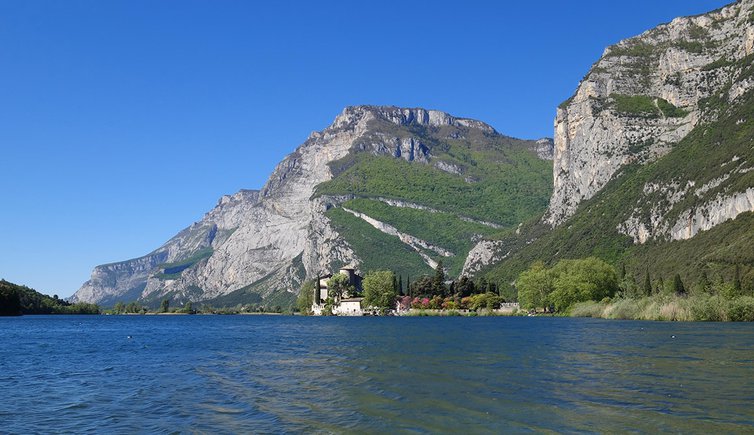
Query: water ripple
(231, 374)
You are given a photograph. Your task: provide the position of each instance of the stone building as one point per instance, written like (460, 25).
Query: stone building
(342, 305)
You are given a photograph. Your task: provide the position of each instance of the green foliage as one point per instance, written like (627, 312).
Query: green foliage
(690, 46)
(719, 63)
(379, 289)
(633, 49)
(377, 250)
(10, 302)
(647, 285)
(30, 301)
(669, 110)
(534, 287)
(339, 286)
(438, 282)
(678, 287)
(135, 308)
(634, 104)
(568, 282)
(165, 306)
(741, 309)
(509, 186)
(702, 307)
(119, 308)
(306, 297)
(646, 106)
(581, 280)
(479, 301)
(446, 230)
(424, 286)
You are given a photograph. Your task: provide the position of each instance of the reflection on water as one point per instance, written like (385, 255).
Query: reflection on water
(290, 374)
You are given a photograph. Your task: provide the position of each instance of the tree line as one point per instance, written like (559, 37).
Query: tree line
(571, 282)
(381, 288)
(17, 300)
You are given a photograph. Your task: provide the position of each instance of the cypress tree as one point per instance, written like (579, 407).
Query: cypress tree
(317, 291)
(400, 285)
(647, 285)
(704, 282)
(439, 281)
(737, 280)
(678, 285)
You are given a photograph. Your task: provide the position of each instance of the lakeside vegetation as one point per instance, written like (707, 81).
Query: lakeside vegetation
(591, 288)
(704, 307)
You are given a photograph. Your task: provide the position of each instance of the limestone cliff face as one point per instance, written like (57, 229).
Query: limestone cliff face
(279, 234)
(645, 94)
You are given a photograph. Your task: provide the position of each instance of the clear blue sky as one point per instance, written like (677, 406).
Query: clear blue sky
(121, 122)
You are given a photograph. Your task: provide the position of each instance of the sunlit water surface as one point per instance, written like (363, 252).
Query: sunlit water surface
(224, 374)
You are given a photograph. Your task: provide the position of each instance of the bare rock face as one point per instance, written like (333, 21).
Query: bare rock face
(485, 252)
(545, 148)
(645, 94)
(278, 235)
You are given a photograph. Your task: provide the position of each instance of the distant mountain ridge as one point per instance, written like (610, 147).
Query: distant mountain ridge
(312, 214)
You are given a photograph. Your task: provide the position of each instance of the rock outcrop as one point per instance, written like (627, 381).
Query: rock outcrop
(644, 95)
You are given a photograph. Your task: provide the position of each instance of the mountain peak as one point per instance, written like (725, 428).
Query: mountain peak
(408, 116)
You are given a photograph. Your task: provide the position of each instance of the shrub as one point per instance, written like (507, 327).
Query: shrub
(741, 309)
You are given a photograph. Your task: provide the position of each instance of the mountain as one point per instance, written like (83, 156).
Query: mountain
(382, 187)
(654, 157)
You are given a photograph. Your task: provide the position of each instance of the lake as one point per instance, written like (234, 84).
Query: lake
(230, 374)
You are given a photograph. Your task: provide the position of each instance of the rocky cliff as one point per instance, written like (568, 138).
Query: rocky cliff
(260, 245)
(654, 159)
(644, 95)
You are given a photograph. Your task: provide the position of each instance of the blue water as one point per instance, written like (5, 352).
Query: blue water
(230, 374)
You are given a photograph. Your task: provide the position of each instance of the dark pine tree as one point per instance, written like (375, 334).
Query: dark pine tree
(647, 285)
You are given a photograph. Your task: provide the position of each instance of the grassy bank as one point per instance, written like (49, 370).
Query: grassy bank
(713, 308)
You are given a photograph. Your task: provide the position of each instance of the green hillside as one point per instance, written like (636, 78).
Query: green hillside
(17, 299)
(721, 151)
(495, 183)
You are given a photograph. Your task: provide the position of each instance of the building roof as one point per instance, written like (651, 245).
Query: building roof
(351, 300)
